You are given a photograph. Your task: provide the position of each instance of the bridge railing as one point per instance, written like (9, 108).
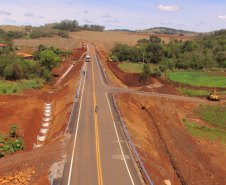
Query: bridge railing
(130, 141)
(101, 66)
(76, 96)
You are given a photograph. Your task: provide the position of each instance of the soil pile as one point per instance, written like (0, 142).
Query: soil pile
(129, 79)
(167, 150)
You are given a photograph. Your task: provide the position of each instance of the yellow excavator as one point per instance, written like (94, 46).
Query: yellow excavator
(213, 96)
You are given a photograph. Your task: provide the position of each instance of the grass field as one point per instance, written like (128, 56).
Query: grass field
(50, 41)
(194, 93)
(129, 67)
(214, 115)
(12, 28)
(198, 79)
(9, 87)
(211, 134)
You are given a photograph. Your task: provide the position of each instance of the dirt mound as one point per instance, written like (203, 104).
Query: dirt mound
(166, 149)
(129, 79)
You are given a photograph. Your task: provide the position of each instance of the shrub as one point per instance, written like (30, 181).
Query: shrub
(4, 90)
(114, 58)
(14, 89)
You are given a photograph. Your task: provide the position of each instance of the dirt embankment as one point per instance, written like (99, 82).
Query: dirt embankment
(164, 145)
(27, 111)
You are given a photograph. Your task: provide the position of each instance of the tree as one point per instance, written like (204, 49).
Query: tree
(68, 54)
(146, 72)
(155, 39)
(13, 130)
(49, 59)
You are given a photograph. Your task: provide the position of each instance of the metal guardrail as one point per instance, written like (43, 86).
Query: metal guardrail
(131, 143)
(76, 96)
(103, 70)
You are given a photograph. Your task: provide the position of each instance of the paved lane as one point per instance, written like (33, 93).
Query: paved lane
(98, 156)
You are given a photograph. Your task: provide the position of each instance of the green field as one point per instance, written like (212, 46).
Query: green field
(129, 67)
(211, 134)
(214, 115)
(194, 93)
(9, 87)
(198, 79)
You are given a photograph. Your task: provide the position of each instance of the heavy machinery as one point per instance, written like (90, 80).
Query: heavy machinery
(213, 96)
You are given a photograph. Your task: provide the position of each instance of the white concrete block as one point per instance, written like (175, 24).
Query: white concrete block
(47, 111)
(167, 182)
(41, 138)
(45, 124)
(47, 108)
(47, 114)
(48, 104)
(44, 131)
(46, 119)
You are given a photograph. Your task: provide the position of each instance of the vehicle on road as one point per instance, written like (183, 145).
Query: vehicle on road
(87, 58)
(213, 96)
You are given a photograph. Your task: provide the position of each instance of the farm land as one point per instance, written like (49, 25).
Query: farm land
(173, 137)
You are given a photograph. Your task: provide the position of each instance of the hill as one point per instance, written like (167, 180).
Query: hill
(168, 31)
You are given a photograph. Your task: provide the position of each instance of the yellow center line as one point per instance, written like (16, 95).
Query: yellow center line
(99, 173)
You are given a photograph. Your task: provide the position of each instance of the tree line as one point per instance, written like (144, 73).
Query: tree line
(205, 52)
(73, 25)
(16, 68)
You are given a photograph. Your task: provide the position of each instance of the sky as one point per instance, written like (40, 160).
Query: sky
(192, 15)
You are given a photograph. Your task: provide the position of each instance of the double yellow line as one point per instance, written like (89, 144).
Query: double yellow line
(100, 181)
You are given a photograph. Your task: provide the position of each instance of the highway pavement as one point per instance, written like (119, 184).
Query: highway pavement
(98, 152)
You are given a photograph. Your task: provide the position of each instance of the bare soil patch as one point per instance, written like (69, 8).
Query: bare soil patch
(167, 150)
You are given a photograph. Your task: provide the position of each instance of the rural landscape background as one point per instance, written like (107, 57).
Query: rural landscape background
(176, 125)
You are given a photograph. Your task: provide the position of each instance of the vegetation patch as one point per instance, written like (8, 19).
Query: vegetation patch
(211, 134)
(195, 93)
(9, 87)
(131, 67)
(198, 79)
(12, 143)
(214, 115)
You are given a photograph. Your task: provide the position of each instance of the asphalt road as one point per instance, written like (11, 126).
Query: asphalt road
(97, 153)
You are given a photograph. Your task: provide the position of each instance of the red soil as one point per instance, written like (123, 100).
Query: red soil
(167, 150)
(129, 79)
(27, 111)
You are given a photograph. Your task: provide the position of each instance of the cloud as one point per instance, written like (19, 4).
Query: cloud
(142, 23)
(69, 2)
(29, 15)
(9, 21)
(170, 8)
(41, 17)
(117, 26)
(179, 25)
(200, 24)
(87, 21)
(106, 16)
(221, 16)
(112, 20)
(85, 11)
(4, 13)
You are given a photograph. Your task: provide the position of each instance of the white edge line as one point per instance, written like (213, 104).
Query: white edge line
(119, 142)
(72, 158)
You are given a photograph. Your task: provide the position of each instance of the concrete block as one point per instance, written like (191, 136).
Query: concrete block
(45, 124)
(46, 119)
(47, 114)
(47, 111)
(41, 138)
(44, 131)
(167, 182)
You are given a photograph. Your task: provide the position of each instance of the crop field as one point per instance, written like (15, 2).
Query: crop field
(50, 41)
(194, 93)
(129, 67)
(12, 28)
(198, 79)
(106, 40)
